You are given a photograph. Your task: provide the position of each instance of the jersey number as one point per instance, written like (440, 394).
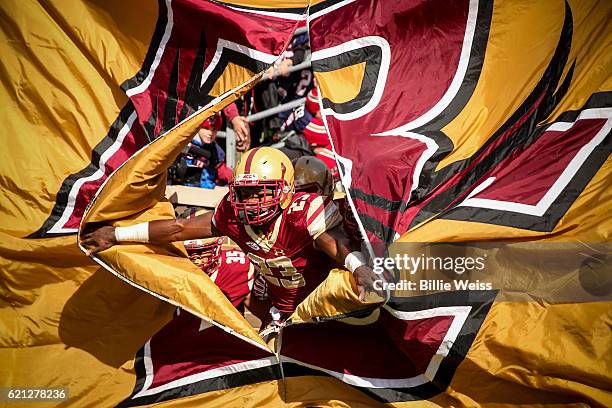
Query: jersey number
(304, 82)
(298, 205)
(291, 277)
(235, 256)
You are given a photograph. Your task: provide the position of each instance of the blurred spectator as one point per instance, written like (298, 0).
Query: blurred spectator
(202, 162)
(280, 86)
(301, 116)
(307, 121)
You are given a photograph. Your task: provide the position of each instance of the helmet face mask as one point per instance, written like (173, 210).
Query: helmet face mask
(205, 255)
(256, 204)
(262, 185)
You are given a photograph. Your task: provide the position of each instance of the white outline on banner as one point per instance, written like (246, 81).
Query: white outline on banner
(329, 9)
(381, 80)
(99, 173)
(458, 78)
(191, 379)
(158, 55)
(566, 176)
(221, 44)
(285, 16)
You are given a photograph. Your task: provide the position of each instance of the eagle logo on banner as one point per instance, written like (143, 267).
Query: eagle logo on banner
(375, 108)
(190, 62)
(410, 98)
(392, 83)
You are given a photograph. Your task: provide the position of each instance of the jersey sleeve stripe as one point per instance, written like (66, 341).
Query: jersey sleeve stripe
(319, 209)
(325, 218)
(316, 206)
(326, 153)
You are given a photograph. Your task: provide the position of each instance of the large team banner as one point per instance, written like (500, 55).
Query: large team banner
(451, 121)
(457, 102)
(87, 86)
(469, 122)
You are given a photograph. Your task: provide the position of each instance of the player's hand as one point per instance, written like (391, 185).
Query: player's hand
(243, 133)
(99, 240)
(365, 277)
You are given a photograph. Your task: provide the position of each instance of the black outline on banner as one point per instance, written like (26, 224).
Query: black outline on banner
(544, 91)
(556, 211)
(372, 56)
(432, 129)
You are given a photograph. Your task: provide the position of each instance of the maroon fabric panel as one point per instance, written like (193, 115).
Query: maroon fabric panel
(181, 349)
(389, 348)
(543, 161)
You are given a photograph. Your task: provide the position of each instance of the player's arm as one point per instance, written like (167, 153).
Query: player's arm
(336, 243)
(155, 232)
(324, 224)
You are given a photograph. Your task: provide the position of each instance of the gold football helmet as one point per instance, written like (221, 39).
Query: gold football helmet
(206, 254)
(262, 185)
(313, 176)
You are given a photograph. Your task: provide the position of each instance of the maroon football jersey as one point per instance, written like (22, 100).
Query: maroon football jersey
(234, 276)
(234, 273)
(285, 255)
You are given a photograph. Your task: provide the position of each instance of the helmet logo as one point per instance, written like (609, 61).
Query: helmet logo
(253, 245)
(247, 178)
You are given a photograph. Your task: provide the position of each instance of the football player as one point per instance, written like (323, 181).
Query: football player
(312, 175)
(231, 271)
(229, 268)
(282, 232)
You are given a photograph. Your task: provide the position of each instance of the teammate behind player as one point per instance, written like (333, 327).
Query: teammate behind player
(313, 176)
(281, 231)
(231, 271)
(228, 268)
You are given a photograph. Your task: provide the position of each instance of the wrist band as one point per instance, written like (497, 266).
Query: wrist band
(276, 314)
(354, 260)
(134, 233)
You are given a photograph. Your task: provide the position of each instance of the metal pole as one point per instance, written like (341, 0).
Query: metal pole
(300, 66)
(230, 136)
(230, 147)
(277, 109)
